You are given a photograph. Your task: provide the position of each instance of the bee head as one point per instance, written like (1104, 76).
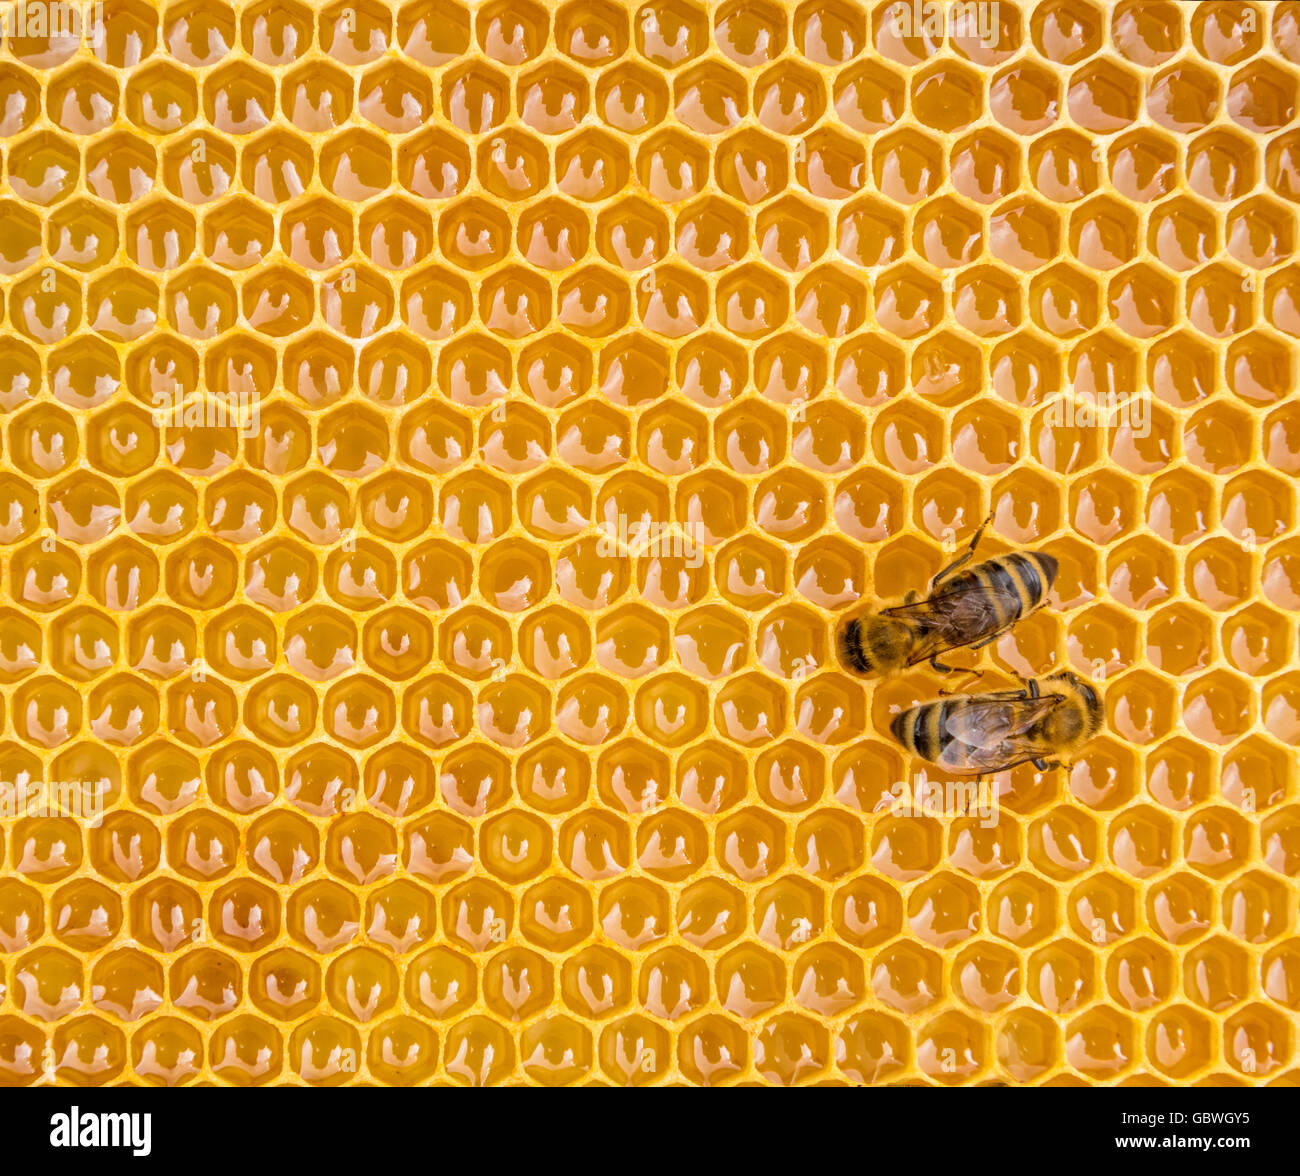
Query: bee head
(1087, 710)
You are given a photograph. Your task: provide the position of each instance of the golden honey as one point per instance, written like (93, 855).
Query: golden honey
(440, 439)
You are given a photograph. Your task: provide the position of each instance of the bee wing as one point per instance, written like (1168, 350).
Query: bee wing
(988, 734)
(961, 617)
(990, 723)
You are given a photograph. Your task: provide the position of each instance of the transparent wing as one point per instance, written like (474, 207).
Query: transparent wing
(965, 616)
(990, 723)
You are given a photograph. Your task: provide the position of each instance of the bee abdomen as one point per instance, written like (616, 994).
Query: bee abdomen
(1015, 584)
(920, 730)
(851, 652)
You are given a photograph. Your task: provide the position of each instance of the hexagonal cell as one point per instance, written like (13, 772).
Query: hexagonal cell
(1103, 97)
(1258, 369)
(1102, 641)
(395, 98)
(829, 573)
(591, 166)
(1257, 640)
(944, 910)
(1147, 33)
(710, 235)
(1260, 233)
(433, 32)
(710, 98)
(1141, 576)
(238, 101)
(1065, 32)
(317, 97)
(21, 245)
(553, 235)
(238, 235)
(1100, 1043)
(277, 168)
(199, 170)
(986, 301)
(789, 99)
(1220, 166)
(355, 33)
(276, 302)
(984, 167)
(1026, 99)
(592, 32)
(83, 100)
(43, 168)
(947, 97)
(21, 100)
(356, 166)
(986, 438)
(1024, 234)
(986, 38)
(1226, 33)
(1217, 708)
(275, 32)
(1255, 909)
(513, 166)
(952, 1049)
(161, 98)
(1181, 369)
(631, 98)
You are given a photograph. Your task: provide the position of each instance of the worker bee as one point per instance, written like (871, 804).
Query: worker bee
(970, 608)
(984, 733)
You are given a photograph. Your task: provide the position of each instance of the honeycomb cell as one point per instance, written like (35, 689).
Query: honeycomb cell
(88, 1051)
(629, 781)
(872, 1046)
(568, 449)
(951, 1048)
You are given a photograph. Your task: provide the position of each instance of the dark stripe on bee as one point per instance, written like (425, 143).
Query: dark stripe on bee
(851, 651)
(920, 730)
(936, 717)
(1014, 585)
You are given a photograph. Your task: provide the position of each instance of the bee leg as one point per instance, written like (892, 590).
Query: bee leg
(1030, 686)
(1040, 764)
(939, 666)
(972, 675)
(944, 573)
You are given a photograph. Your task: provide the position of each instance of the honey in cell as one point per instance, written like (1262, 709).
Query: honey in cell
(409, 773)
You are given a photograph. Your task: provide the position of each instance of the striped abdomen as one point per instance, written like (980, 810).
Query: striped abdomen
(1013, 585)
(921, 730)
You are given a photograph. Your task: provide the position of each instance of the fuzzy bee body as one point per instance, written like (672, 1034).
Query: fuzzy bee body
(968, 608)
(985, 733)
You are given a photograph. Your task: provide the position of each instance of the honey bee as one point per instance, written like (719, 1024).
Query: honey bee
(970, 608)
(985, 733)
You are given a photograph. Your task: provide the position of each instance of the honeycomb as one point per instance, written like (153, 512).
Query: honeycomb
(440, 440)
